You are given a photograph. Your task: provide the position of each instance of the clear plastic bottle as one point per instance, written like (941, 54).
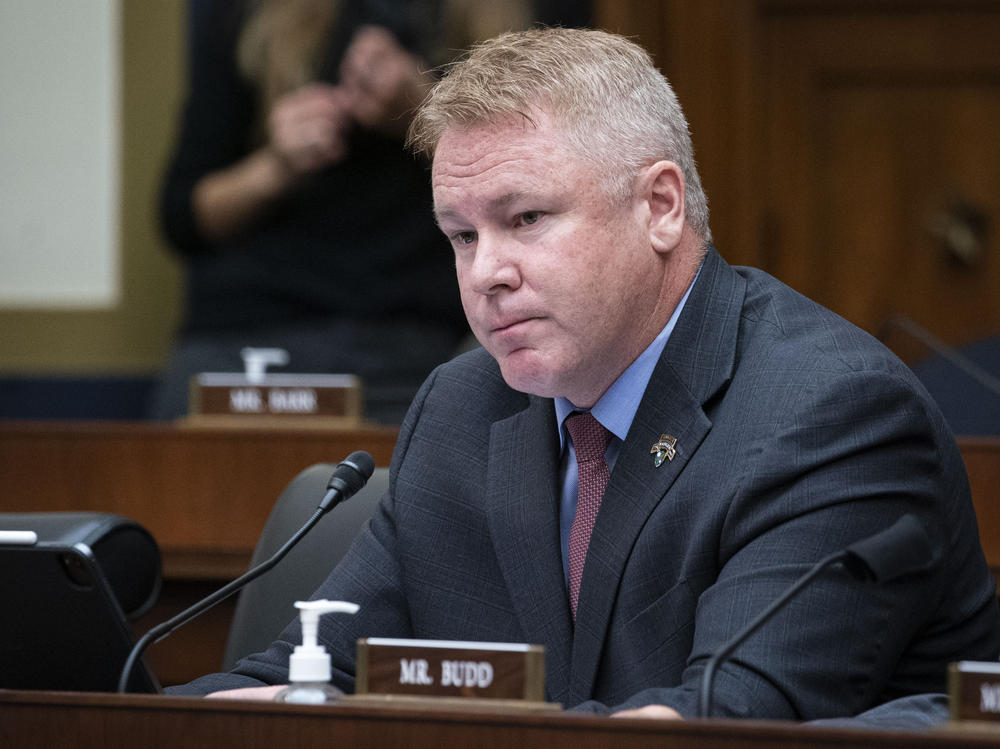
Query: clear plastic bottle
(309, 664)
(309, 693)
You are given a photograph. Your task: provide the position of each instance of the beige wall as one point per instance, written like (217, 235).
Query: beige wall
(132, 337)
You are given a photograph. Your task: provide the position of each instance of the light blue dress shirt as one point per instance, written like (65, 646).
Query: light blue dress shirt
(615, 411)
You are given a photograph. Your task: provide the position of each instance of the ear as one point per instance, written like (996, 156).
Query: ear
(662, 188)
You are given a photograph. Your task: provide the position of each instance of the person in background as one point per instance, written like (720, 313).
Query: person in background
(302, 221)
(652, 445)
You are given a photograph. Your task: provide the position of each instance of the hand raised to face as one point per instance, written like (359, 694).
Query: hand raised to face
(382, 80)
(308, 127)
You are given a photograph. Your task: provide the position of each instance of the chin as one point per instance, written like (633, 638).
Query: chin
(534, 379)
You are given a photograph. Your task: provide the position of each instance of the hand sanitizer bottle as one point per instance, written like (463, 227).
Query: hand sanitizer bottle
(309, 664)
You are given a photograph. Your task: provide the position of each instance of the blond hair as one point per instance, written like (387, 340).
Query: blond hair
(614, 107)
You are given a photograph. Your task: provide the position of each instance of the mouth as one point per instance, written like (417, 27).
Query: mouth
(509, 325)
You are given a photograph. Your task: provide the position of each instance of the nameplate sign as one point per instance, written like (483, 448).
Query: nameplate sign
(284, 396)
(974, 691)
(444, 668)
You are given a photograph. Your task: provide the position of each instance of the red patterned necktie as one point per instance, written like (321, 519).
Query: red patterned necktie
(590, 442)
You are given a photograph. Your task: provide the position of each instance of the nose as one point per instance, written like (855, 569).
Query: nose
(494, 267)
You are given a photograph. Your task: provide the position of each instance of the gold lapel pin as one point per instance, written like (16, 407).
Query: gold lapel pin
(665, 448)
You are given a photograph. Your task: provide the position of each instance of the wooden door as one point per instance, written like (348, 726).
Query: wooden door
(880, 168)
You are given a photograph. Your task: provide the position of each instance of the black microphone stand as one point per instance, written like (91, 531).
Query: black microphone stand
(343, 484)
(161, 631)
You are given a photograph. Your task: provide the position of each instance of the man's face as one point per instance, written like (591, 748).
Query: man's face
(559, 282)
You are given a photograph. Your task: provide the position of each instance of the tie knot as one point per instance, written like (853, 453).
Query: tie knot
(590, 438)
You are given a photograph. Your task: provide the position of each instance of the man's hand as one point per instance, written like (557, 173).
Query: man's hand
(658, 712)
(263, 694)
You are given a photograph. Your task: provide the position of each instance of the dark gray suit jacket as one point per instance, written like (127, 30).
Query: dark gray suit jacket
(797, 434)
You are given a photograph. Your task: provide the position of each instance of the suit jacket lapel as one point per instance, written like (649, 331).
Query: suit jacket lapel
(696, 363)
(523, 510)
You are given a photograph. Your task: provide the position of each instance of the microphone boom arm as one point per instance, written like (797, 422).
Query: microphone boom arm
(161, 631)
(350, 476)
(723, 653)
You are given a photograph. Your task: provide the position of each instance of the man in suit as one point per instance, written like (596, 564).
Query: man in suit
(743, 431)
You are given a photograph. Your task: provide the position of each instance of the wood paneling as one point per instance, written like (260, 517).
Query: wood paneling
(982, 462)
(877, 121)
(202, 492)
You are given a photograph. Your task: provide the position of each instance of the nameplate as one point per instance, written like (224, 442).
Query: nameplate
(974, 691)
(444, 668)
(227, 397)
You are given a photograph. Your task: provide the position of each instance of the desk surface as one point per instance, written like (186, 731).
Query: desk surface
(86, 721)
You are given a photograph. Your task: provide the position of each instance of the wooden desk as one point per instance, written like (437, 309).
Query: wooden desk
(204, 493)
(87, 721)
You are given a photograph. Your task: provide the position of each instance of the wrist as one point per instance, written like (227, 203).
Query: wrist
(275, 172)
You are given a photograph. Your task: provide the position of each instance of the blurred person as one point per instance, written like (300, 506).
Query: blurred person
(302, 221)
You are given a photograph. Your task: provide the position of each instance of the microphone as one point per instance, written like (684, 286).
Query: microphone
(901, 548)
(350, 475)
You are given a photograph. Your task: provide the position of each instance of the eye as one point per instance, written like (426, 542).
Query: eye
(463, 237)
(529, 217)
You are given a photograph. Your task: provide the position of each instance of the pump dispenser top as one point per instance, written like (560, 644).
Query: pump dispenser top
(309, 664)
